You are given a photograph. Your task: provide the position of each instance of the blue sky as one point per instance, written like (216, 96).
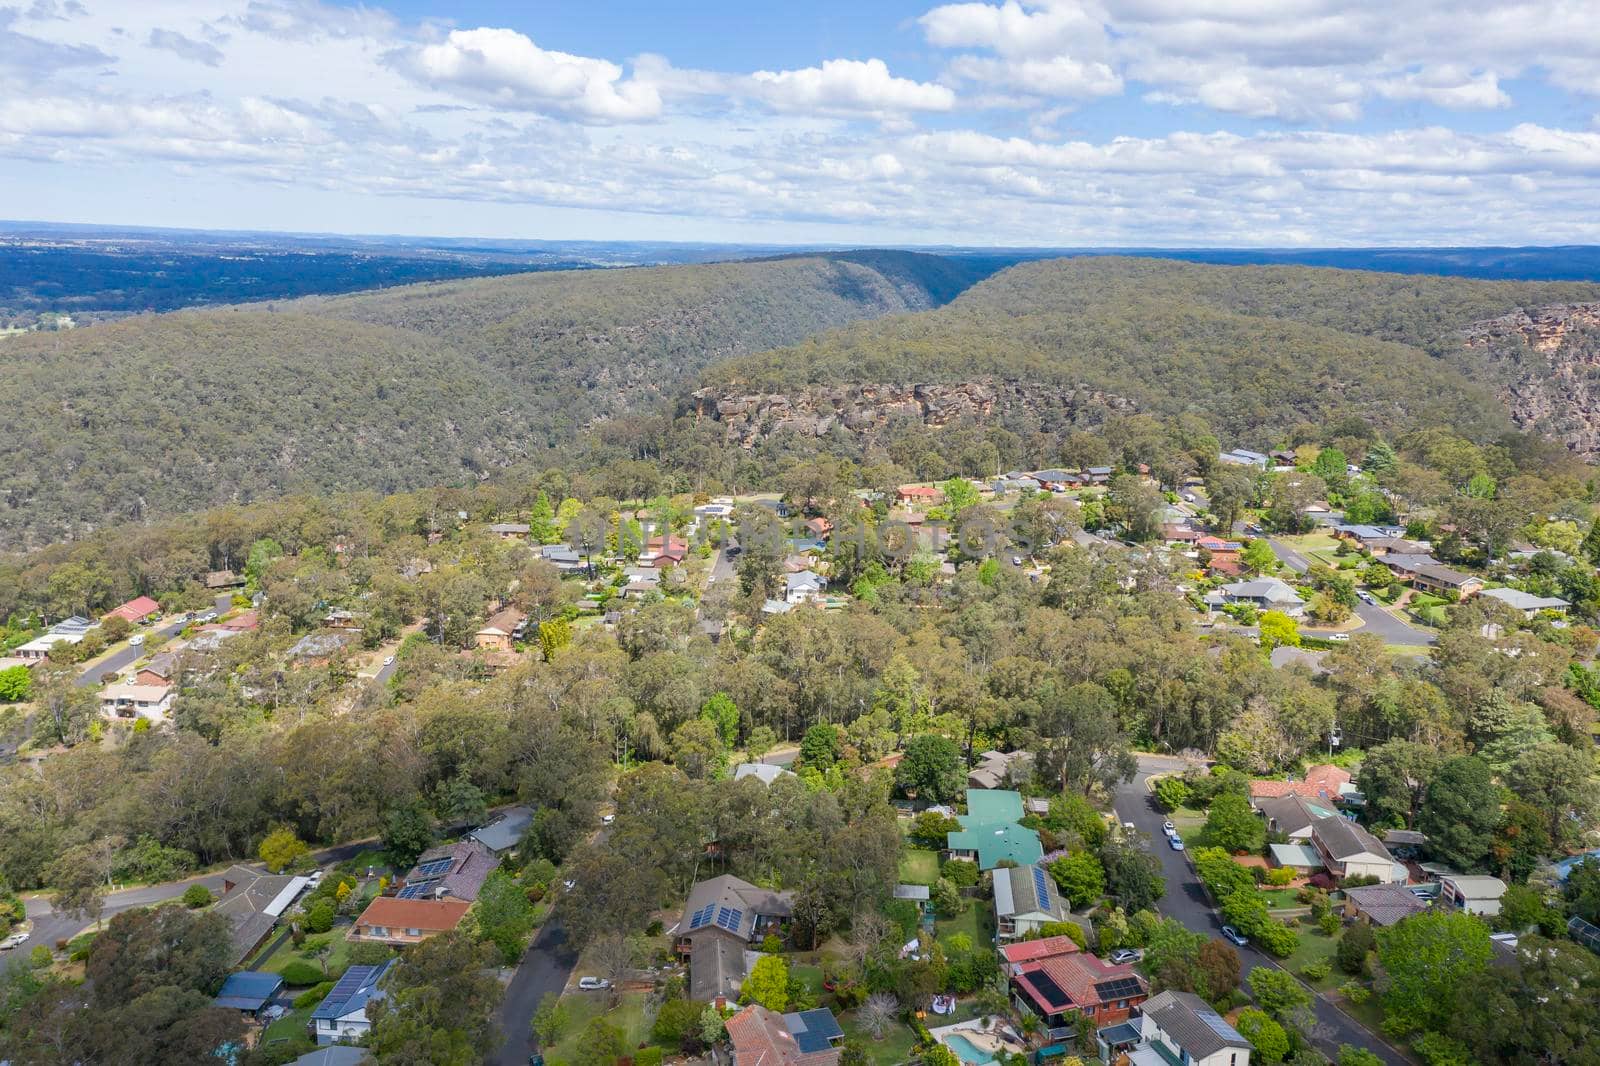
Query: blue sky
(1052, 122)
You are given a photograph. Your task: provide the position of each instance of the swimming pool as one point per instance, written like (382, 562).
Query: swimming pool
(967, 1051)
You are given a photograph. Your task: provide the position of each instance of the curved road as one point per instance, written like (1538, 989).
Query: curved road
(1186, 901)
(49, 927)
(545, 968)
(1375, 620)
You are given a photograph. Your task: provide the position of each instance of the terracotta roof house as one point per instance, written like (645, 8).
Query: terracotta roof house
(1056, 988)
(1324, 782)
(1444, 579)
(917, 494)
(243, 622)
(223, 579)
(1015, 955)
(1382, 905)
(762, 1037)
(450, 871)
(721, 919)
(499, 632)
(662, 552)
(1175, 1027)
(1348, 850)
(135, 610)
(158, 671)
(388, 920)
(1025, 899)
(990, 833)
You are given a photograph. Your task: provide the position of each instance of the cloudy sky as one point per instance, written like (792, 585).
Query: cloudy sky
(1051, 122)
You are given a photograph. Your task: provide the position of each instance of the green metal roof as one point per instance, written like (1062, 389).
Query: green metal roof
(990, 828)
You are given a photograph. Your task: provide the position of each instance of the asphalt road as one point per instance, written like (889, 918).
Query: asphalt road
(129, 654)
(48, 926)
(1186, 901)
(545, 968)
(1375, 620)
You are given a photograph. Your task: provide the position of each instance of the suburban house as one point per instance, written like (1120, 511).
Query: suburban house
(1025, 899)
(1324, 782)
(562, 556)
(997, 769)
(762, 1037)
(243, 622)
(505, 832)
(1175, 1029)
(818, 527)
(390, 920)
(318, 649)
(38, 649)
(1436, 578)
(450, 871)
(1017, 954)
(1526, 602)
(342, 1014)
(722, 918)
(137, 610)
(662, 552)
(499, 633)
(1262, 593)
(1301, 858)
(151, 702)
(253, 902)
(1348, 850)
(1245, 457)
(766, 773)
(1176, 534)
(1473, 893)
(510, 530)
(990, 833)
(925, 495)
(158, 671)
(248, 991)
(1057, 987)
(803, 587)
(342, 619)
(1382, 905)
(217, 580)
(1292, 815)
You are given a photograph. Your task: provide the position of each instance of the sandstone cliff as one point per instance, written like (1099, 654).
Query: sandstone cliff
(1547, 362)
(863, 408)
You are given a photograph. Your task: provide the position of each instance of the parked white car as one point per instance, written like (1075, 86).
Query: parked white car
(136, 640)
(593, 984)
(12, 941)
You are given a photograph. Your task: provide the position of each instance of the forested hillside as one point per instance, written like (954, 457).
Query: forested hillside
(425, 384)
(1256, 350)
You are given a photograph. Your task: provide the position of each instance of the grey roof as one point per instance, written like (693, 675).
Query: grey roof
(1292, 813)
(317, 645)
(734, 894)
(776, 607)
(352, 993)
(1407, 564)
(249, 990)
(510, 527)
(1262, 588)
(505, 832)
(1477, 886)
(716, 968)
(1524, 601)
(913, 892)
(1444, 575)
(334, 1055)
(813, 1030)
(254, 903)
(766, 773)
(1192, 1024)
(1027, 890)
(995, 768)
(805, 580)
(471, 863)
(1385, 904)
(1311, 660)
(1345, 839)
(1404, 838)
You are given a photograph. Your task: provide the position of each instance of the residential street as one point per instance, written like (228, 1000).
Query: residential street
(128, 654)
(545, 968)
(48, 927)
(1375, 620)
(1186, 901)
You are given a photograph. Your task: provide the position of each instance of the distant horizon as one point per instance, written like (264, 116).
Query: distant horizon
(9, 227)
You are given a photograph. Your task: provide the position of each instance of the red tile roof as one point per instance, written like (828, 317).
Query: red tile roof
(135, 610)
(1321, 782)
(1077, 975)
(428, 915)
(760, 1038)
(1034, 950)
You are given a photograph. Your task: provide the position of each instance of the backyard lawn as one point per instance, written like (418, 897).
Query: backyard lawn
(291, 1026)
(918, 866)
(1279, 898)
(977, 921)
(894, 1048)
(338, 959)
(1314, 948)
(584, 1007)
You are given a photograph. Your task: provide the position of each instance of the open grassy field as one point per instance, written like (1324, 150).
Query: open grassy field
(584, 1007)
(919, 866)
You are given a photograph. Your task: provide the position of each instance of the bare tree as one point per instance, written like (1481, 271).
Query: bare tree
(878, 1014)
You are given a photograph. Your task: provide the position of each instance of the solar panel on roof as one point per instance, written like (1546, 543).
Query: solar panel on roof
(1048, 987)
(1039, 887)
(730, 918)
(416, 891)
(1218, 1025)
(702, 917)
(1121, 988)
(435, 866)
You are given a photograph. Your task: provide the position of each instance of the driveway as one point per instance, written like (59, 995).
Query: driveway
(48, 926)
(1186, 901)
(545, 968)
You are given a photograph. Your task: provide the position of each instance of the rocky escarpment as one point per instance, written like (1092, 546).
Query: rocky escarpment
(1547, 360)
(866, 408)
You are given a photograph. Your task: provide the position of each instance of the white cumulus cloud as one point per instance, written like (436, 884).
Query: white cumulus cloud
(848, 85)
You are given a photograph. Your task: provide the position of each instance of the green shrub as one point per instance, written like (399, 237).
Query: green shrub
(1329, 924)
(647, 1056)
(960, 872)
(677, 1023)
(1355, 992)
(196, 896)
(40, 957)
(302, 974)
(319, 919)
(1316, 971)
(1279, 876)
(313, 995)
